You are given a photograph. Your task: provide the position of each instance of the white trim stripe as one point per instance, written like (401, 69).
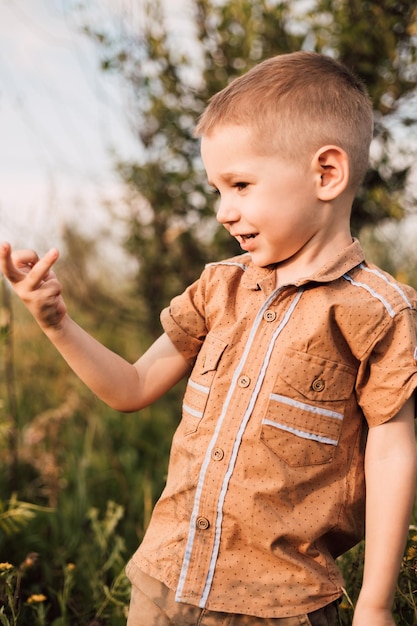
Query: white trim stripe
(193, 412)
(373, 293)
(385, 278)
(199, 387)
(306, 407)
(301, 433)
(232, 263)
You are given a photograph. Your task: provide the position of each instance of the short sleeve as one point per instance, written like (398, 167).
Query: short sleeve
(388, 377)
(184, 321)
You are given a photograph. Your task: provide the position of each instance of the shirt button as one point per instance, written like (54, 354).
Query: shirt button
(202, 523)
(270, 316)
(318, 384)
(217, 454)
(244, 381)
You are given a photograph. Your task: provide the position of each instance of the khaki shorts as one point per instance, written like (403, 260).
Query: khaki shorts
(153, 604)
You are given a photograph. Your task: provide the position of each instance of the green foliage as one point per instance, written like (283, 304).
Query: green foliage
(378, 40)
(93, 590)
(85, 477)
(15, 515)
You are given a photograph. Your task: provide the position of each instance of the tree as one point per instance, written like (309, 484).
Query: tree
(379, 40)
(172, 232)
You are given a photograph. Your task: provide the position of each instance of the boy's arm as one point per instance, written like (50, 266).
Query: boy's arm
(390, 471)
(123, 386)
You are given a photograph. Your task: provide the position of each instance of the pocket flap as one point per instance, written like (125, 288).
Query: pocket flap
(317, 378)
(211, 352)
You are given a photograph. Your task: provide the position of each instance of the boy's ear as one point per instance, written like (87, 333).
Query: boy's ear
(331, 167)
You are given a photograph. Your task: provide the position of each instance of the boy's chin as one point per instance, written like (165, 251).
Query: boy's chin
(264, 263)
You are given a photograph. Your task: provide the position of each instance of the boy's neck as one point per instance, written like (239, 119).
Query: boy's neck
(295, 269)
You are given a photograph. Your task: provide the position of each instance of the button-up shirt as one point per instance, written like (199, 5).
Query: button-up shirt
(265, 484)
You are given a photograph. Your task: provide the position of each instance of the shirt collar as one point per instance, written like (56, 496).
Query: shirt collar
(256, 278)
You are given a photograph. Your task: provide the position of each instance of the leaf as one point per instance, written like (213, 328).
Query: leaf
(15, 515)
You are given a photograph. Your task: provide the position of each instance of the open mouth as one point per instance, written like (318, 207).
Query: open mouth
(245, 241)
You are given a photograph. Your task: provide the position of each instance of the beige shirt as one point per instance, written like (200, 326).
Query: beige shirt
(266, 482)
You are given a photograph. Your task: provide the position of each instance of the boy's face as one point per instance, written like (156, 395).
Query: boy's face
(266, 202)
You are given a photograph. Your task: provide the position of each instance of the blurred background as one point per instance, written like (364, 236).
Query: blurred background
(98, 100)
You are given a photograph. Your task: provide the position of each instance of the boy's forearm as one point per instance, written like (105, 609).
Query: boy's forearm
(123, 386)
(387, 523)
(113, 379)
(390, 469)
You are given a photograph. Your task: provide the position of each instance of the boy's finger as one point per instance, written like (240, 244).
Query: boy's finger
(6, 263)
(40, 270)
(37, 269)
(11, 262)
(24, 258)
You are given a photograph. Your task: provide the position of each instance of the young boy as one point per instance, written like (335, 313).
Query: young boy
(303, 369)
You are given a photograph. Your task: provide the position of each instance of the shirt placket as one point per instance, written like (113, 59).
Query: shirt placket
(206, 523)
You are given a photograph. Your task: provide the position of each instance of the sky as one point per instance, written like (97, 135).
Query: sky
(62, 119)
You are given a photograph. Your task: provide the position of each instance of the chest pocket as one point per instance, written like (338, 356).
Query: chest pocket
(305, 412)
(199, 384)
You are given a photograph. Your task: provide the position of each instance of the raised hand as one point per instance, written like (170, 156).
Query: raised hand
(122, 385)
(35, 283)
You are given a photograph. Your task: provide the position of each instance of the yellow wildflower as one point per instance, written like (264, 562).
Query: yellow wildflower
(411, 553)
(4, 567)
(36, 598)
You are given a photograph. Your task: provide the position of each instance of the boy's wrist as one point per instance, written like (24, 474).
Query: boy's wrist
(55, 328)
(372, 613)
(372, 598)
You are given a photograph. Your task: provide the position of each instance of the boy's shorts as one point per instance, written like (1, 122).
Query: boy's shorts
(153, 604)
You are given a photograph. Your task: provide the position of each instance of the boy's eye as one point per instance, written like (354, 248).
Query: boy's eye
(240, 186)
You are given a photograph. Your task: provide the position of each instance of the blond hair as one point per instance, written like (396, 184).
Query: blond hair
(297, 103)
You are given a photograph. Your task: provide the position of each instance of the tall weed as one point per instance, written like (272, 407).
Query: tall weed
(49, 588)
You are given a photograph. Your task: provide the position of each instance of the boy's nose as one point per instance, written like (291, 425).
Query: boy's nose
(227, 212)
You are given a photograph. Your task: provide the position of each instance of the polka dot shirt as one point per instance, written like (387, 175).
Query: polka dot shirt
(265, 485)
